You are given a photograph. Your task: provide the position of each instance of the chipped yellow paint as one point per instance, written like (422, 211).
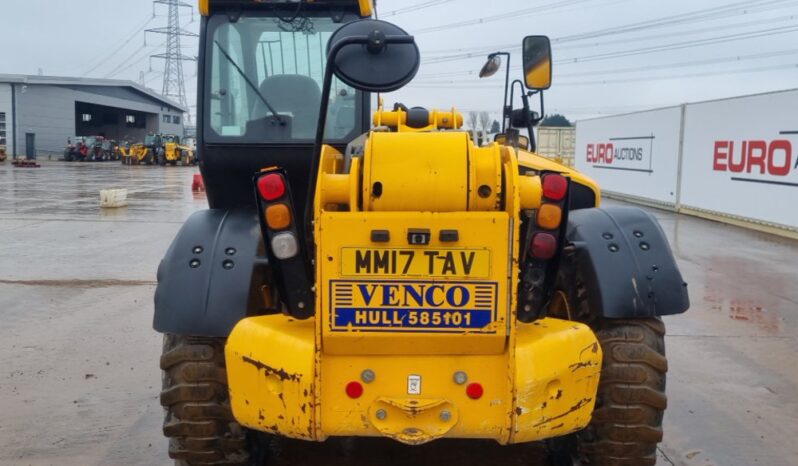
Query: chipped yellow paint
(272, 364)
(554, 395)
(270, 369)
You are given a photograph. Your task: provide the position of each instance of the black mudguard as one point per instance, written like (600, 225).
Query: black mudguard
(210, 276)
(626, 263)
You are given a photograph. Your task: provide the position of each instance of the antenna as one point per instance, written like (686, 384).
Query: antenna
(173, 82)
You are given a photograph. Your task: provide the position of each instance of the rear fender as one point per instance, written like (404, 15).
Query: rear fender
(626, 263)
(210, 277)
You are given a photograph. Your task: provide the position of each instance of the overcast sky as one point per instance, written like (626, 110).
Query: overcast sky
(608, 54)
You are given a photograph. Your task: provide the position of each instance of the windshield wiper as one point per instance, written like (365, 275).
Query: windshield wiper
(248, 81)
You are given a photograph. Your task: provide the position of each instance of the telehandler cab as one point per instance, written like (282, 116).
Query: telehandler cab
(396, 280)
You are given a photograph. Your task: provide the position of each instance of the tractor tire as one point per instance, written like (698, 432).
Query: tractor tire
(627, 420)
(198, 421)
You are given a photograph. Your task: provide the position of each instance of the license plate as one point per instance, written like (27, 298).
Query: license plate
(435, 263)
(424, 306)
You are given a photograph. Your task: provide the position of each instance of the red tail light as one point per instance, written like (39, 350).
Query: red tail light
(544, 246)
(555, 186)
(271, 187)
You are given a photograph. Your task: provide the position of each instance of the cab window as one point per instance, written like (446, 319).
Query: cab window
(265, 81)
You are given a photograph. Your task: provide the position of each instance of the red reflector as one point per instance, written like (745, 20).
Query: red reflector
(555, 186)
(474, 391)
(544, 246)
(354, 390)
(271, 187)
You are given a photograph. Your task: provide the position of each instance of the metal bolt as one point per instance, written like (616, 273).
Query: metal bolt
(446, 416)
(613, 248)
(381, 414)
(194, 263)
(461, 377)
(230, 251)
(367, 376)
(228, 264)
(197, 250)
(607, 236)
(645, 246)
(301, 304)
(638, 234)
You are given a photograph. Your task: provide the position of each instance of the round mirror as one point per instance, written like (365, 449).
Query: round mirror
(377, 64)
(491, 67)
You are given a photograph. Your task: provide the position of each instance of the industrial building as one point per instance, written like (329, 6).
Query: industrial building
(38, 114)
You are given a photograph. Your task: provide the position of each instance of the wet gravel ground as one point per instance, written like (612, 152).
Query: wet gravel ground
(79, 374)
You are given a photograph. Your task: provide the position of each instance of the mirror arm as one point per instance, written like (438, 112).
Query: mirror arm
(508, 107)
(322, 123)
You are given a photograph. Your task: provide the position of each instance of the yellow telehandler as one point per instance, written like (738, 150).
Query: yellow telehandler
(379, 275)
(174, 152)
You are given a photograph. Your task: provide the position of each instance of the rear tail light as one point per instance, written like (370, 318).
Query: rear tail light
(291, 267)
(354, 390)
(549, 216)
(544, 246)
(271, 187)
(475, 391)
(278, 216)
(285, 246)
(555, 186)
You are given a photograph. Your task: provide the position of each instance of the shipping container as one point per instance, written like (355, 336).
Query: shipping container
(557, 143)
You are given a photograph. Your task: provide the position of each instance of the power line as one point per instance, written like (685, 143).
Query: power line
(679, 45)
(662, 48)
(125, 42)
(173, 82)
(131, 61)
(594, 82)
(708, 14)
(416, 7)
(502, 16)
(637, 69)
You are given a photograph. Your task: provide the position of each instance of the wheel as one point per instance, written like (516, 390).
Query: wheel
(198, 421)
(627, 421)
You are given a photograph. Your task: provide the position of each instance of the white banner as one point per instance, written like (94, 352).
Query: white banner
(634, 154)
(741, 157)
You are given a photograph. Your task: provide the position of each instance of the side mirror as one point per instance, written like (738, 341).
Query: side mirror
(374, 56)
(537, 62)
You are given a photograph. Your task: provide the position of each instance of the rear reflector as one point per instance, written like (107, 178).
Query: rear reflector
(475, 391)
(278, 216)
(544, 246)
(549, 216)
(554, 186)
(271, 187)
(354, 390)
(284, 246)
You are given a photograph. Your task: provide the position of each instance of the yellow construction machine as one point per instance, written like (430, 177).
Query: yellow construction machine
(174, 152)
(380, 275)
(145, 152)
